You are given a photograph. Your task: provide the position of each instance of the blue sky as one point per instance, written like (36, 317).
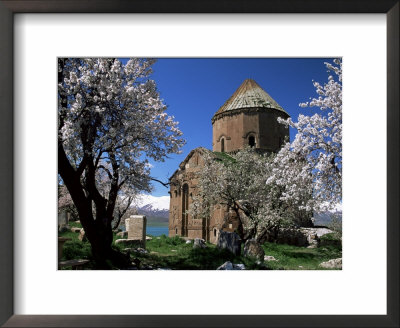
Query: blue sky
(195, 88)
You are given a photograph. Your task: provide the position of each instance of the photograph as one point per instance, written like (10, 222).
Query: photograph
(199, 163)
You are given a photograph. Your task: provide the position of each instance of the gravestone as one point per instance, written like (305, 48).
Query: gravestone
(230, 241)
(136, 227)
(62, 219)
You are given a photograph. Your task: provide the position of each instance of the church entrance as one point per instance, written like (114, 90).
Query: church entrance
(185, 208)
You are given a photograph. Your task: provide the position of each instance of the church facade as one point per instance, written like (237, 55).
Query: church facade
(247, 118)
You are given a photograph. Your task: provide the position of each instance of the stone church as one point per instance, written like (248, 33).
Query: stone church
(248, 117)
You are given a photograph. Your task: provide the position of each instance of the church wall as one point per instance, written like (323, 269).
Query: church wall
(231, 128)
(185, 175)
(251, 126)
(236, 129)
(272, 133)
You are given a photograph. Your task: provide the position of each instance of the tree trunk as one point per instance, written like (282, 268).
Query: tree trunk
(99, 232)
(100, 237)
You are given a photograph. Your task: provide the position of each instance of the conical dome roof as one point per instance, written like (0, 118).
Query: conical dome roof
(249, 95)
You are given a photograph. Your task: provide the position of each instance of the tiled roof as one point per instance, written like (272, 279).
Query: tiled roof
(249, 95)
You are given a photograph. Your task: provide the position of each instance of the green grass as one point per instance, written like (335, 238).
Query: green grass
(174, 253)
(74, 224)
(299, 258)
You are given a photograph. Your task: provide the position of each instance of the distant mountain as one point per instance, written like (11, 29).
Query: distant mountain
(155, 208)
(325, 219)
(149, 210)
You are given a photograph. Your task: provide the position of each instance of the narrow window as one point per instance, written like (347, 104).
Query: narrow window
(252, 141)
(176, 193)
(222, 145)
(215, 232)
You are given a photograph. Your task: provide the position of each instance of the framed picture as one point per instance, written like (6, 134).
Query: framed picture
(179, 298)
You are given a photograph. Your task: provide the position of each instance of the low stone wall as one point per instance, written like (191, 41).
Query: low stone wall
(297, 236)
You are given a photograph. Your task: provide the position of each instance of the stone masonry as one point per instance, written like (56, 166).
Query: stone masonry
(136, 227)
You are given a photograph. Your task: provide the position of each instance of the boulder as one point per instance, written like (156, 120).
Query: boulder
(230, 241)
(188, 241)
(268, 258)
(199, 243)
(253, 249)
(239, 266)
(82, 235)
(332, 264)
(230, 266)
(226, 266)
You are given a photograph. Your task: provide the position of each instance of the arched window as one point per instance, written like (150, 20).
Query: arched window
(185, 208)
(252, 141)
(222, 145)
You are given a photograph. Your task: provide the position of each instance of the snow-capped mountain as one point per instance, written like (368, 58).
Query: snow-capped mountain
(153, 206)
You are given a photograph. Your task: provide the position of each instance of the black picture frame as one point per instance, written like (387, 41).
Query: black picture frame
(7, 11)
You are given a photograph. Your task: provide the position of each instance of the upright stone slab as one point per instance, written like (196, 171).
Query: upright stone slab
(136, 227)
(62, 219)
(230, 241)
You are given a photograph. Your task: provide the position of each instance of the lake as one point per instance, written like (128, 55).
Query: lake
(157, 231)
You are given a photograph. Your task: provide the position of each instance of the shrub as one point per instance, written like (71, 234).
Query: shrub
(76, 250)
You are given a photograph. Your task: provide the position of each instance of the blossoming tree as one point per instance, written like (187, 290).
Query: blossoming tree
(283, 188)
(316, 150)
(111, 119)
(238, 182)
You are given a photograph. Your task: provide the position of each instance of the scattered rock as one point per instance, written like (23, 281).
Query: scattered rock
(332, 264)
(268, 258)
(253, 249)
(148, 238)
(129, 242)
(239, 266)
(122, 234)
(188, 241)
(300, 266)
(229, 266)
(226, 266)
(78, 230)
(230, 241)
(199, 243)
(140, 250)
(82, 235)
(173, 250)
